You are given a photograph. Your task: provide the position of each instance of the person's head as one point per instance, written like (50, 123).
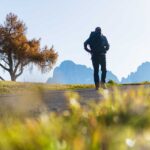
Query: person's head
(98, 30)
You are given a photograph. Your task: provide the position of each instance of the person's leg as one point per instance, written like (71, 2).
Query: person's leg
(103, 68)
(96, 71)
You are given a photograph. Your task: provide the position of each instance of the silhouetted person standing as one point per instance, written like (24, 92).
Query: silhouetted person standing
(98, 46)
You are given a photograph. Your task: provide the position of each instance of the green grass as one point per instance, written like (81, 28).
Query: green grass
(9, 87)
(121, 121)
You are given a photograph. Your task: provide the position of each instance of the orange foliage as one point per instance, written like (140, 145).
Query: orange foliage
(16, 51)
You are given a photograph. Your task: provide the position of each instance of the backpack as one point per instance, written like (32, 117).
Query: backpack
(98, 43)
(104, 43)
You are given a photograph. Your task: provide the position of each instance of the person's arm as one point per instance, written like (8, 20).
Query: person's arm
(107, 46)
(86, 43)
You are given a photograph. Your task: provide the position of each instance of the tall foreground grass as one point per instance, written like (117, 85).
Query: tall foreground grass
(120, 121)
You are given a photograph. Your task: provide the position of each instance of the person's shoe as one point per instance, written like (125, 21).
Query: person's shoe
(103, 85)
(97, 86)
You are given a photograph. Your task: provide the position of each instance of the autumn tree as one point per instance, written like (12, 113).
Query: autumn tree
(17, 51)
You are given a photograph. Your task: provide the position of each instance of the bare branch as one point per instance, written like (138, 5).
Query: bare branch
(2, 78)
(25, 63)
(10, 60)
(21, 71)
(22, 65)
(5, 61)
(4, 67)
(16, 67)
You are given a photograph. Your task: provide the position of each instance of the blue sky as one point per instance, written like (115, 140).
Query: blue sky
(67, 24)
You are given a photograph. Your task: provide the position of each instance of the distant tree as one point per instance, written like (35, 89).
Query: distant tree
(16, 51)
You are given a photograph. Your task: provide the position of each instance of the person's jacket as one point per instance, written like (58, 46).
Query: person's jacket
(98, 43)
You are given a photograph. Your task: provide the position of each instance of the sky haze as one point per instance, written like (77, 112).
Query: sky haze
(67, 24)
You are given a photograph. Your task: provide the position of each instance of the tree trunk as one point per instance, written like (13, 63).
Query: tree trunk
(13, 77)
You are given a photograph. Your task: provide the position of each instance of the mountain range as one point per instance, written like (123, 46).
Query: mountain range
(69, 72)
(142, 74)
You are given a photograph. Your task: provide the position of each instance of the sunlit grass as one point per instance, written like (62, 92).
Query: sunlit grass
(7, 87)
(19, 87)
(120, 121)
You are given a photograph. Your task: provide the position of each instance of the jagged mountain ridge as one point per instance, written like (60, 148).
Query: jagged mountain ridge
(70, 73)
(140, 75)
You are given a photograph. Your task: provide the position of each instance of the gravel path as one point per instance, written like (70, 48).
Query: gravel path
(54, 100)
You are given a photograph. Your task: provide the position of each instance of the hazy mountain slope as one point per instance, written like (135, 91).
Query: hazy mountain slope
(140, 75)
(70, 73)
